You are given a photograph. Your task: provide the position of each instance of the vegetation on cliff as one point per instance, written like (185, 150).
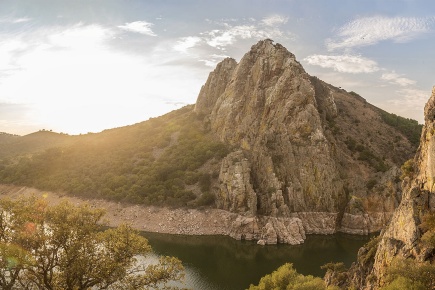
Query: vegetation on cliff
(65, 247)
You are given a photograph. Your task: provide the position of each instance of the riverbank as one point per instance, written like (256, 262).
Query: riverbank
(142, 218)
(181, 221)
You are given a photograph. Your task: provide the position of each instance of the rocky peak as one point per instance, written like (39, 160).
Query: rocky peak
(216, 83)
(297, 156)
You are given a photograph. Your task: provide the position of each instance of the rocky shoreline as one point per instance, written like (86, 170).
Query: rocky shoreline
(264, 229)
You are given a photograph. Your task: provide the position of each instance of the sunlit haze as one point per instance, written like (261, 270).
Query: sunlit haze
(85, 66)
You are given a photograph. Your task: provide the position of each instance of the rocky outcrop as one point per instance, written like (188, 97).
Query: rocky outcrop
(401, 238)
(236, 193)
(268, 230)
(216, 83)
(303, 149)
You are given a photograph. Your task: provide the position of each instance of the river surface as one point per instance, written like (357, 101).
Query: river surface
(222, 263)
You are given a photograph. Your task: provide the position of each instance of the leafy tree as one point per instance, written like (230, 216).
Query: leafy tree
(65, 247)
(286, 278)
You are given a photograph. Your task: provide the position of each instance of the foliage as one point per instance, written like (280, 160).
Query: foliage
(286, 278)
(337, 273)
(428, 227)
(65, 247)
(153, 162)
(410, 274)
(402, 283)
(368, 254)
(371, 183)
(407, 169)
(408, 127)
(365, 154)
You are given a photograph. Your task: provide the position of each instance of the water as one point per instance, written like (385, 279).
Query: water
(222, 263)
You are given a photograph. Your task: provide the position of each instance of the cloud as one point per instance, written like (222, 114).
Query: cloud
(274, 20)
(222, 38)
(410, 99)
(213, 60)
(15, 20)
(213, 45)
(266, 28)
(395, 78)
(371, 30)
(187, 42)
(141, 27)
(344, 63)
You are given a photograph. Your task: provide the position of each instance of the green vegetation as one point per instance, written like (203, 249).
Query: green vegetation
(408, 127)
(407, 169)
(155, 162)
(286, 278)
(410, 274)
(365, 154)
(336, 273)
(428, 227)
(65, 247)
(367, 256)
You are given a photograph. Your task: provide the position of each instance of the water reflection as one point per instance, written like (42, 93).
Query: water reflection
(216, 262)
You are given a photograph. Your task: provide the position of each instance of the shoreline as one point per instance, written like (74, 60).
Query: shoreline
(142, 218)
(179, 221)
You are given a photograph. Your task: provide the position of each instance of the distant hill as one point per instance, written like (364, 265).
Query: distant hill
(14, 145)
(265, 139)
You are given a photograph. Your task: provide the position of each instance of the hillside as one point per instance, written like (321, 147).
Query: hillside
(155, 162)
(287, 152)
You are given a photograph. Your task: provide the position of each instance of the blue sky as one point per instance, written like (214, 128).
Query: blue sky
(85, 66)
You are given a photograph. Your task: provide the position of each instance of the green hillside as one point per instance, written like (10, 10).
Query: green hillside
(170, 160)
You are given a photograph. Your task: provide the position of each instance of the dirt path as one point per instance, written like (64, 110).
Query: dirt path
(143, 218)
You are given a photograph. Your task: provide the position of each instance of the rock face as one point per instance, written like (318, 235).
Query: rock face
(402, 235)
(304, 149)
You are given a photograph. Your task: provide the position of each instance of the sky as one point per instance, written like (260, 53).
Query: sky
(79, 66)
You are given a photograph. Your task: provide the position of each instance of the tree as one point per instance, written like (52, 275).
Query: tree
(66, 247)
(286, 278)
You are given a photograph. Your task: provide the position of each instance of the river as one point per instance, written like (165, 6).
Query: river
(222, 263)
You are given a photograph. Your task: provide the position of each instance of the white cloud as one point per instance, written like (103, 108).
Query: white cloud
(187, 42)
(141, 27)
(15, 20)
(344, 63)
(222, 38)
(229, 33)
(274, 20)
(395, 78)
(213, 60)
(371, 30)
(410, 102)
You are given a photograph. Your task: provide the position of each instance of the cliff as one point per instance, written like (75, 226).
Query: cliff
(305, 152)
(402, 237)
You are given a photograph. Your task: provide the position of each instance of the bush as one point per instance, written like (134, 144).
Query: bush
(286, 278)
(407, 272)
(407, 169)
